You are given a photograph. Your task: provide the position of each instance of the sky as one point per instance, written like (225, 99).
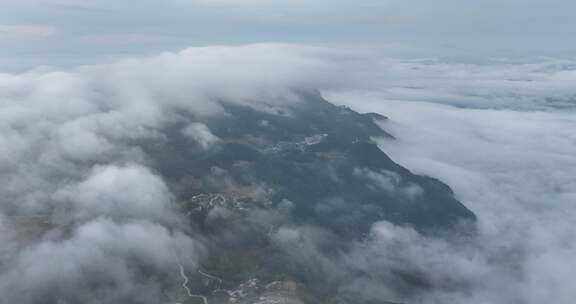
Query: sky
(72, 32)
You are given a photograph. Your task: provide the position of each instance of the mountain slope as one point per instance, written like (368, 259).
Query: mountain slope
(257, 172)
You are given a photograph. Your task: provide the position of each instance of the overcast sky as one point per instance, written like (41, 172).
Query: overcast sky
(69, 32)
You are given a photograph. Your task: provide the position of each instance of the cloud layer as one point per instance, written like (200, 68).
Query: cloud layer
(500, 136)
(71, 151)
(84, 217)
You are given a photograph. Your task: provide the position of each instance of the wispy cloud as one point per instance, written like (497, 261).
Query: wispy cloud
(26, 32)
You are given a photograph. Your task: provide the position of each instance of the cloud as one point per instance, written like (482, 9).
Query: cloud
(26, 32)
(391, 183)
(527, 86)
(74, 149)
(102, 262)
(79, 198)
(234, 2)
(491, 134)
(90, 115)
(119, 192)
(200, 134)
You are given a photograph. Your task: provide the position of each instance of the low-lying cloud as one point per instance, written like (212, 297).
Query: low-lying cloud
(72, 150)
(84, 217)
(502, 85)
(506, 148)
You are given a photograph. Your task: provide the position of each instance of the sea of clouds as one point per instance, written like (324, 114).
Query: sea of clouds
(500, 134)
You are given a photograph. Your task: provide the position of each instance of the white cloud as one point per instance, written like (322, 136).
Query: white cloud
(486, 130)
(514, 168)
(73, 153)
(391, 183)
(235, 2)
(529, 86)
(99, 263)
(26, 32)
(118, 192)
(200, 134)
(88, 115)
